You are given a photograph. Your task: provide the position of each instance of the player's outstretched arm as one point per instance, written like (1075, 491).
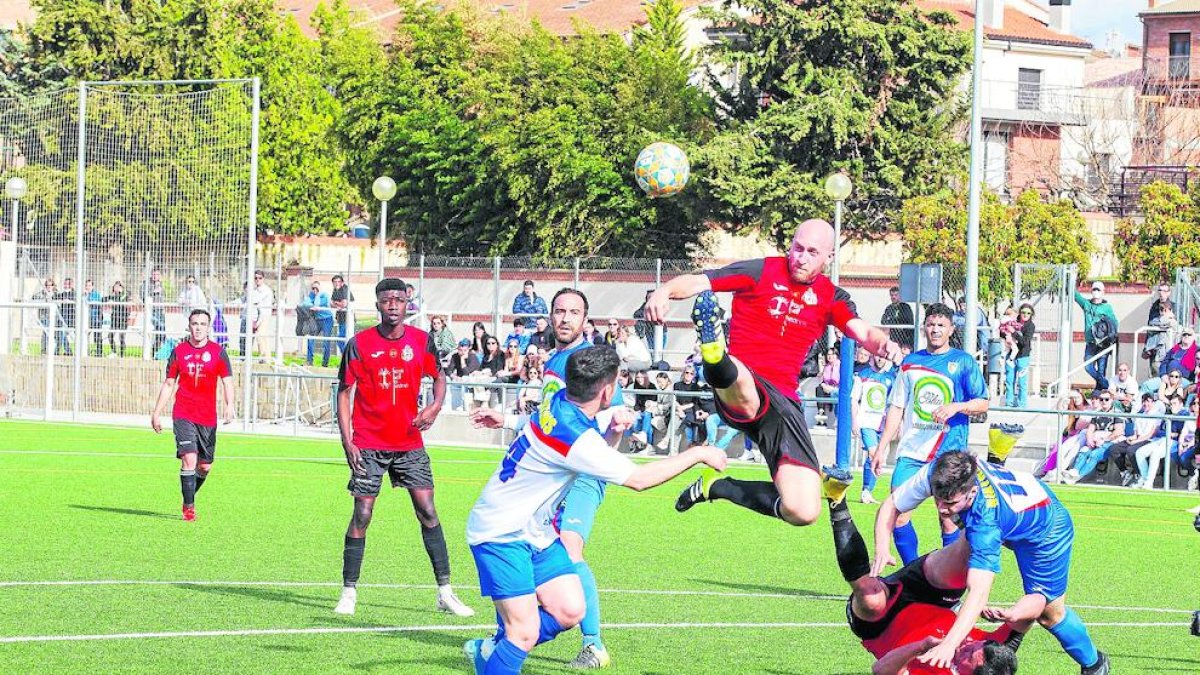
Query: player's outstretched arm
(680, 288)
(885, 522)
(896, 661)
(979, 587)
(658, 472)
(164, 395)
(875, 340)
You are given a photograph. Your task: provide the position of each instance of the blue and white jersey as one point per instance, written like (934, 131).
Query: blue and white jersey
(925, 383)
(1012, 509)
(870, 396)
(554, 375)
(521, 498)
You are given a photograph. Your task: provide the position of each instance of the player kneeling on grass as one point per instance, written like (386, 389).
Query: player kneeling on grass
(997, 507)
(195, 369)
(522, 564)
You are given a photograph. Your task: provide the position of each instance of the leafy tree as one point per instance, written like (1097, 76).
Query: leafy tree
(1028, 231)
(1166, 238)
(862, 86)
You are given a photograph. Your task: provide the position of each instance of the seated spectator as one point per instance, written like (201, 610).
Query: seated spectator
(518, 333)
(614, 328)
(632, 351)
(479, 338)
(529, 303)
(463, 363)
(862, 360)
(543, 336)
(590, 334)
(531, 396)
(1185, 453)
(1101, 433)
(510, 372)
(1073, 436)
(1124, 388)
(443, 339)
(642, 431)
(1145, 431)
(492, 361)
(828, 386)
(532, 359)
(686, 406)
(697, 362)
(1182, 356)
(1149, 455)
(661, 420)
(1172, 385)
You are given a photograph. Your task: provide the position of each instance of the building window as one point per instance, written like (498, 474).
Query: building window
(995, 161)
(1029, 89)
(1180, 61)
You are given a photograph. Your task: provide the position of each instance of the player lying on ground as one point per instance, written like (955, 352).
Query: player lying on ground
(577, 513)
(195, 369)
(997, 507)
(381, 435)
(904, 615)
(522, 564)
(781, 305)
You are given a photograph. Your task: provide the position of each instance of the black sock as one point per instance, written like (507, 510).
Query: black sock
(722, 374)
(852, 556)
(435, 546)
(756, 495)
(200, 480)
(187, 482)
(352, 556)
(1014, 640)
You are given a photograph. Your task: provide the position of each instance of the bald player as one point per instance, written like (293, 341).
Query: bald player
(781, 305)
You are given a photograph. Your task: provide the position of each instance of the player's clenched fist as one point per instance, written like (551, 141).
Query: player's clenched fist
(712, 456)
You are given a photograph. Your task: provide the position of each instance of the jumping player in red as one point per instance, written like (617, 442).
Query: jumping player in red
(381, 434)
(195, 369)
(781, 305)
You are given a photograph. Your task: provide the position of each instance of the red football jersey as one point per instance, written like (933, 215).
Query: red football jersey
(917, 622)
(776, 320)
(387, 376)
(198, 370)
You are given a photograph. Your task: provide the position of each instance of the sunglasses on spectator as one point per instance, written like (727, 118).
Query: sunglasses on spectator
(1026, 312)
(1106, 399)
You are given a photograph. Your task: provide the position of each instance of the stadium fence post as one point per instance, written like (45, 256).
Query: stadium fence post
(251, 240)
(50, 365)
(147, 308)
(421, 281)
(1066, 332)
(845, 428)
(80, 317)
(576, 284)
(496, 296)
(277, 310)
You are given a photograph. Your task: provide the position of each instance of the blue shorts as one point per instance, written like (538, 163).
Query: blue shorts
(1045, 564)
(577, 512)
(516, 568)
(870, 438)
(906, 467)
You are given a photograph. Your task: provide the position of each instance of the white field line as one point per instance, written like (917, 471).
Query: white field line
(485, 628)
(615, 591)
(152, 455)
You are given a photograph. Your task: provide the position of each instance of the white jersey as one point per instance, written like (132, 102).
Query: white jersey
(521, 498)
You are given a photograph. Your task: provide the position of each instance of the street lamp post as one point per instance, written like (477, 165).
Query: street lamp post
(838, 186)
(384, 188)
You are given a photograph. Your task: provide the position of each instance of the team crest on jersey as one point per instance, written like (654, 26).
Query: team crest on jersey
(205, 357)
(952, 367)
(809, 298)
(392, 353)
(407, 354)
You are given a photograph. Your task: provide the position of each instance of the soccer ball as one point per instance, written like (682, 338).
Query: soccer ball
(661, 170)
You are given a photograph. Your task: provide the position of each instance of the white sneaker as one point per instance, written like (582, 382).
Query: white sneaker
(1195, 510)
(1193, 481)
(640, 437)
(1070, 476)
(347, 602)
(747, 456)
(867, 498)
(449, 602)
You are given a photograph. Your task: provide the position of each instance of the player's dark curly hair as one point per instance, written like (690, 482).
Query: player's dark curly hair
(998, 659)
(390, 284)
(589, 370)
(953, 474)
(939, 309)
(570, 291)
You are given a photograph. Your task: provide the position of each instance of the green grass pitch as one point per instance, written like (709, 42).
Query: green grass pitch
(716, 590)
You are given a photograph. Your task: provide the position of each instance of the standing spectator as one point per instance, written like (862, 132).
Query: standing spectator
(1124, 449)
(118, 302)
(898, 314)
(686, 406)
(1099, 331)
(66, 313)
(1016, 372)
(154, 300)
(529, 303)
(543, 336)
(414, 300)
(263, 300)
(319, 302)
(443, 339)
(95, 316)
(982, 327)
(1163, 327)
(463, 362)
(831, 375)
(340, 299)
(1162, 300)
(590, 334)
(47, 317)
(645, 329)
(632, 351)
(518, 334)
(479, 338)
(1124, 388)
(191, 297)
(610, 338)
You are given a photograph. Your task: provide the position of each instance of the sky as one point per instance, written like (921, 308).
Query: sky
(1093, 19)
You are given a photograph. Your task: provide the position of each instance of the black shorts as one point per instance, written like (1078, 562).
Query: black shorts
(911, 587)
(778, 429)
(406, 469)
(197, 438)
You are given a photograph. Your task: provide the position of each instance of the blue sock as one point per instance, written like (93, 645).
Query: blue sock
(507, 659)
(550, 627)
(1074, 638)
(499, 629)
(950, 537)
(590, 626)
(905, 537)
(868, 476)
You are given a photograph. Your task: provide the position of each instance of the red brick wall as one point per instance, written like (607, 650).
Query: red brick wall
(1034, 155)
(1158, 39)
